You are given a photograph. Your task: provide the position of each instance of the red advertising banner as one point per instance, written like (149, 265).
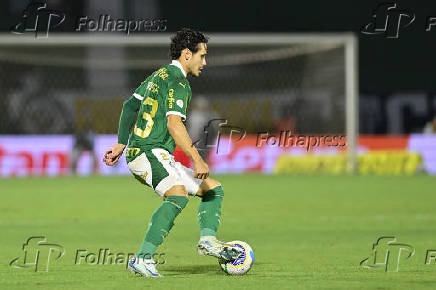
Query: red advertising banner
(51, 155)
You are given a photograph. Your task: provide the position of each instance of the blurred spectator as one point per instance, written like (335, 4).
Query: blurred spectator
(430, 127)
(84, 143)
(286, 122)
(199, 117)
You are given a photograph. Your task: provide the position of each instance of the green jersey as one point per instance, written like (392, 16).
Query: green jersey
(164, 92)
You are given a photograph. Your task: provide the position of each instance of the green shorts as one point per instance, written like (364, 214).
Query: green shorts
(157, 169)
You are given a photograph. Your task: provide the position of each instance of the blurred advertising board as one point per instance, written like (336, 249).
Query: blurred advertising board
(50, 155)
(403, 154)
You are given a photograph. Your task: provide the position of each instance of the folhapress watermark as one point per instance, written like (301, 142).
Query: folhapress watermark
(104, 256)
(39, 19)
(288, 139)
(212, 136)
(388, 254)
(215, 129)
(105, 23)
(38, 254)
(388, 20)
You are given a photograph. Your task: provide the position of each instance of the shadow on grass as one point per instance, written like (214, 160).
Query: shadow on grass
(191, 269)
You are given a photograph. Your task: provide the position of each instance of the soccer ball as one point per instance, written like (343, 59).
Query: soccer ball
(241, 265)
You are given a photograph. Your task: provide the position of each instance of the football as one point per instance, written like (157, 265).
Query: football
(241, 265)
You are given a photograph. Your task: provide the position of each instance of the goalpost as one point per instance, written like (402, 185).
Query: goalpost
(254, 80)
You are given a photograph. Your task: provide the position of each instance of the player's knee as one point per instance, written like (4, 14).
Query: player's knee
(211, 183)
(206, 185)
(176, 190)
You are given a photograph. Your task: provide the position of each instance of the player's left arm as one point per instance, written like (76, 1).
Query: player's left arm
(177, 104)
(127, 118)
(181, 137)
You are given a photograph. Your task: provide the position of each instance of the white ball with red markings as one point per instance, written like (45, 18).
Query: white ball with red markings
(241, 265)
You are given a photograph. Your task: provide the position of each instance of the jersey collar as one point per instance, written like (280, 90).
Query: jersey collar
(179, 65)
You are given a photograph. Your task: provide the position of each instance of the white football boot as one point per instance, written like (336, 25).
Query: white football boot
(209, 245)
(143, 267)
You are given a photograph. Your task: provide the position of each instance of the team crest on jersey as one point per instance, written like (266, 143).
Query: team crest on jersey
(179, 103)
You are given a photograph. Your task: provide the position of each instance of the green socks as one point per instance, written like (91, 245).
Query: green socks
(162, 220)
(160, 224)
(209, 211)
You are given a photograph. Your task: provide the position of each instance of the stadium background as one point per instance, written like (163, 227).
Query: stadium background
(77, 82)
(60, 110)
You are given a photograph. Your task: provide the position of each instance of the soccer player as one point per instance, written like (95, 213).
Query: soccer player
(162, 101)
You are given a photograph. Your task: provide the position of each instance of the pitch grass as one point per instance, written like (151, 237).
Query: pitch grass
(306, 231)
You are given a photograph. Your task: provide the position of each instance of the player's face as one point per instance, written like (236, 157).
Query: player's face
(198, 60)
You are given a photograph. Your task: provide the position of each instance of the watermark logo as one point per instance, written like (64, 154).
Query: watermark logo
(220, 135)
(387, 19)
(104, 256)
(387, 254)
(287, 139)
(430, 256)
(105, 23)
(38, 19)
(212, 136)
(38, 254)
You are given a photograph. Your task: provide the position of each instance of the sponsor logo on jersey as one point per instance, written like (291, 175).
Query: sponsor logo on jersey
(171, 99)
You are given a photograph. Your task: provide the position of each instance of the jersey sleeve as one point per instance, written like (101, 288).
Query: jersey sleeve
(140, 91)
(127, 118)
(129, 112)
(177, 100)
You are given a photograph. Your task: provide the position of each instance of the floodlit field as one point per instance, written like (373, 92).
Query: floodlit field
(306, 232)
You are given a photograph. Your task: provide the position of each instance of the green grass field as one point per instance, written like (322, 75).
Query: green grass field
(306, 231)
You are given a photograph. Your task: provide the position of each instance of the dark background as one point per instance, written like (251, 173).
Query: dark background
(386, 66)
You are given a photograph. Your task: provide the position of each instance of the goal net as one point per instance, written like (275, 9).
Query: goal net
(262, 83)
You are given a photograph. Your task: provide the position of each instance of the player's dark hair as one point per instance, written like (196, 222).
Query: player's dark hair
(186, 38)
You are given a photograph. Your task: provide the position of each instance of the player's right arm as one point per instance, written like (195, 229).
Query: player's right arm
(127, 118)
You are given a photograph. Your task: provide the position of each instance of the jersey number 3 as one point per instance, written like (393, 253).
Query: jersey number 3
(148, 117)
